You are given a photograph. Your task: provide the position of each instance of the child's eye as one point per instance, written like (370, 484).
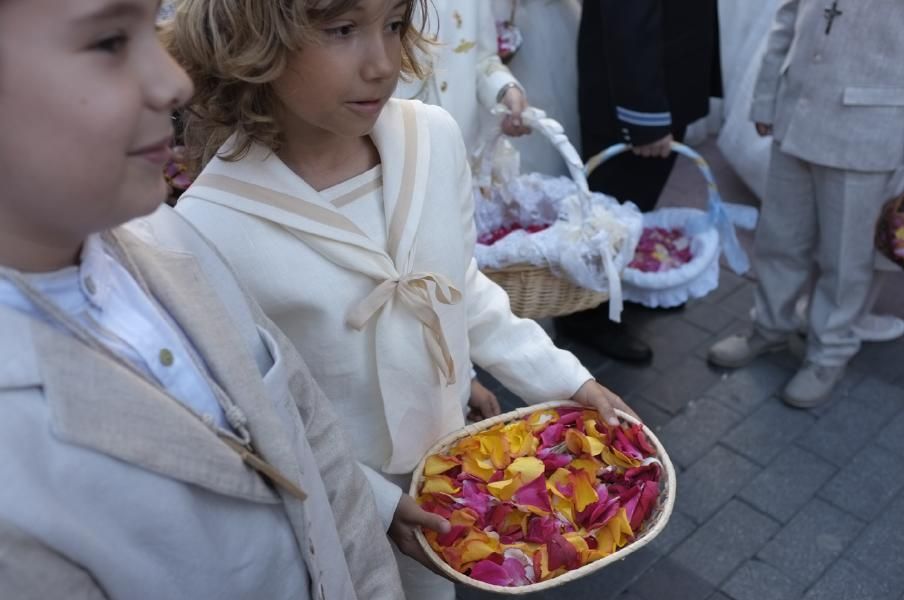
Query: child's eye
(112, 44)
(397, 26)
(339, 32)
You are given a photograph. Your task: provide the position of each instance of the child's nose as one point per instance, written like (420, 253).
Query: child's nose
(170, 87)
(380, 60)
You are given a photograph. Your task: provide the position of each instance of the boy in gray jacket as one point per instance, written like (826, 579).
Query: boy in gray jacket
(831, 93)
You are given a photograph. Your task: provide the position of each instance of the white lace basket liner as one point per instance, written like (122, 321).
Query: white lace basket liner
(591, 239)
(709, 231)
(652, 527)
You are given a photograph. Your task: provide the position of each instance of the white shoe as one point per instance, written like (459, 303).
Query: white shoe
(738, 350)
(878, 328)
(811, 385)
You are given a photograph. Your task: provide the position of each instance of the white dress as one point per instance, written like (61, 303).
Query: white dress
(546, 66)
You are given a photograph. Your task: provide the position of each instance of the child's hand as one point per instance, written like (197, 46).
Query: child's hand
(409, 516)
(516, 102)
(764, 129)
(483, 402)
(593, 395)
(659, 149)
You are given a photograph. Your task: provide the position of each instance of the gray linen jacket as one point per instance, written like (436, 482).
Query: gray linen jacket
(111, 488)
(836, 99)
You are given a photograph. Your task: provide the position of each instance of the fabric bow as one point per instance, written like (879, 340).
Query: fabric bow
(414, 290)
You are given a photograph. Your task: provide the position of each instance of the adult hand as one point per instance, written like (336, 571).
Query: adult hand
(603, 400)
(764, 129)
(658, 149)
(516, 102)
(407, 518)
(483, 402)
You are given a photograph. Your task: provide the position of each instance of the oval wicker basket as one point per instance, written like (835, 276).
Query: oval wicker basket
(536, 292)
(651, 528)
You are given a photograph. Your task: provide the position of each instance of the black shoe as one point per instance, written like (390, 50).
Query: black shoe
(606, 337)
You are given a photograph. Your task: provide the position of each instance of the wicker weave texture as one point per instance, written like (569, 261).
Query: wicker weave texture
(536, 293)
(651, 528)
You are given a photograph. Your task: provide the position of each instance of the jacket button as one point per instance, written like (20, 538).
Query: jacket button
(166, 357)
(90, 286)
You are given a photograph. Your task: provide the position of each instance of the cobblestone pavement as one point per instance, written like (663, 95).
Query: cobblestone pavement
(773, 503)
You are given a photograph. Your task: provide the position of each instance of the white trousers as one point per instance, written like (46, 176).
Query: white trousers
(816, 222)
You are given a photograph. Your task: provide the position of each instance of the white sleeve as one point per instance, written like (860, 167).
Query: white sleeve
(762, 107)
(516, 351)
(386, 494)
(492, 75)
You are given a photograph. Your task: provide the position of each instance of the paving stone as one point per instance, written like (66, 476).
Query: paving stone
(711, 318)
(845, 581)
(768, 431)
(851, 423)
(674, 341)
(880, 548)
(811, 541)
(668, 579)
(788, 483)
(744, 390)
(679, 527)
(886, 396)
(728, 283)
(693, 432)
(625, 379)
(618, 576)
(653, 417)
(725, 542)
(757, 580)
(683, 383)
(739, 302)
(892, 435)
(875, 359)
(867, 483)
(712, 481)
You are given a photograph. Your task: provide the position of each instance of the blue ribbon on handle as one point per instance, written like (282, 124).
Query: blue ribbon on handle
(723, 216)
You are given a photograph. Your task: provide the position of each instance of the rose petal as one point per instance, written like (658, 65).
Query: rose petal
(533, 497)
(489, 572)
(438, 464)
(528, 467)
(562, 553)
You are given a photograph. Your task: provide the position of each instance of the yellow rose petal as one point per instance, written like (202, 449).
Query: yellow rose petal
(437, 464)
(529, 467)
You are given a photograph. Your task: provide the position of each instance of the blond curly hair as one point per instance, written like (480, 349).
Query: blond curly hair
(233, 50)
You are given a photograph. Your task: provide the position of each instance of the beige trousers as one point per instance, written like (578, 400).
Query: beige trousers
(816, 222)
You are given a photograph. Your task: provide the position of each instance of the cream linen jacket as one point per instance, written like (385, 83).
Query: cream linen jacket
(836, 99)
(356, 310)
(111, 488)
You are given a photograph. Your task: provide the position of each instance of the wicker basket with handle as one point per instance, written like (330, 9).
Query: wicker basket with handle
(536, 292)
(651, 528)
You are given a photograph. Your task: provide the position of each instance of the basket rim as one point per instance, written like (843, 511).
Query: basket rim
(668, 504)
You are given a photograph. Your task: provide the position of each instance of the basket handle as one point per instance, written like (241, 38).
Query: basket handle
(724, 216)
(550, 129)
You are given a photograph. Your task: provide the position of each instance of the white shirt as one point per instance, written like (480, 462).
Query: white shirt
(104, 297)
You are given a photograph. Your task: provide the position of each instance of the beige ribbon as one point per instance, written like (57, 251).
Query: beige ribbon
(414, 292)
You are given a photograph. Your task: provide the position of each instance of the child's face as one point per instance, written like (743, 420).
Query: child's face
(339, 86)
(86, 93)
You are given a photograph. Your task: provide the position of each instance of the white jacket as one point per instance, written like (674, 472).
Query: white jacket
(313, 271)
